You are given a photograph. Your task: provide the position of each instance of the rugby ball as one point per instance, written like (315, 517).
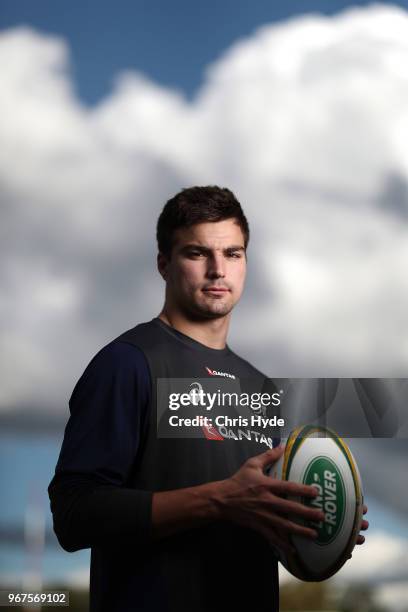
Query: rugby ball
(317, 456)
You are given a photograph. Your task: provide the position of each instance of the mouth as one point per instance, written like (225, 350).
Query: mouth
(215, 290)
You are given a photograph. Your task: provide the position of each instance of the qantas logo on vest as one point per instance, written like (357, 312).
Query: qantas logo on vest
(217, 373)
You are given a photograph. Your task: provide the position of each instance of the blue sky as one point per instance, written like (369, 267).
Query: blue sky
(171, 42)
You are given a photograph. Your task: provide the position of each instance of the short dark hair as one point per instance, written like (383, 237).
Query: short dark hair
(198, 205)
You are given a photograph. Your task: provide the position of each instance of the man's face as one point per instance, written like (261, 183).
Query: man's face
(206, 272)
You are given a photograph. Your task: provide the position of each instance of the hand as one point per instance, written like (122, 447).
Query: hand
(364, 525)
(252, 499)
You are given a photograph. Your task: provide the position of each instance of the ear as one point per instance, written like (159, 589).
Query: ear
(162, 265)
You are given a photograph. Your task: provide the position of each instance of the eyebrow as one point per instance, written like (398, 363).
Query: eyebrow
(203, 249)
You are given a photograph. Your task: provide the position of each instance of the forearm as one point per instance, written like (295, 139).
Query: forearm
(181, 509)
(87, 514)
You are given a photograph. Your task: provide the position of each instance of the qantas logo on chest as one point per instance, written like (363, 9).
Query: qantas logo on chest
(217, 373)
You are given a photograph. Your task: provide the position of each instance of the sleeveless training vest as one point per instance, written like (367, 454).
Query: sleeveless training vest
(220, 566)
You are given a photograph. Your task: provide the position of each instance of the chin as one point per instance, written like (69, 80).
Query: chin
(217, 310)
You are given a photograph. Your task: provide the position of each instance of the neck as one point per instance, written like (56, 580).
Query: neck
(211, 332)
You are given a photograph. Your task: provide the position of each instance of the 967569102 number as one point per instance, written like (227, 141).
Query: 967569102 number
(43, 598)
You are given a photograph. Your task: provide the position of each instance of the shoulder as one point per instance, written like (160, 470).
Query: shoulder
(116, 364)
(118, 354)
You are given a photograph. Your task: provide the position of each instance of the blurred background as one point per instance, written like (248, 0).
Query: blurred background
(106, 111)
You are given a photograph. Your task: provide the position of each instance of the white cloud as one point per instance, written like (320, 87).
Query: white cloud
(382, 556)
(383, 563)
(305, 120)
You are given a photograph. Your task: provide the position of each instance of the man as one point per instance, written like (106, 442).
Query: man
(175, 522)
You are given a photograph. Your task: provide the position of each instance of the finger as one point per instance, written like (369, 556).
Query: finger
(364, 525)
(284, 506)
(269, 457)
(365, 509)
(286, 487)
(290, 527)
(360, 540)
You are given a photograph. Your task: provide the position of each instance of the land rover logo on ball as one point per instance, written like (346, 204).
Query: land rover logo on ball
(323, 474)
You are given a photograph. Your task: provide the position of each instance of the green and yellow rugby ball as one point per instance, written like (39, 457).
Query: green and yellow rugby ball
(317, 456)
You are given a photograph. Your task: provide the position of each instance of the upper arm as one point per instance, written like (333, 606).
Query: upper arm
(109, 408)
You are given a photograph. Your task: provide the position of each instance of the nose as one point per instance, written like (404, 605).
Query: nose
(216, 266)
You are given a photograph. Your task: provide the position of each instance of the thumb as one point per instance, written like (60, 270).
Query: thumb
(270, 456)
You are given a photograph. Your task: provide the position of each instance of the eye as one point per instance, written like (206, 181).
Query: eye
(235, 254)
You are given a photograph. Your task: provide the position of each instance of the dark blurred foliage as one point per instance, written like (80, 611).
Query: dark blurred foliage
(327, 597)
(360, 597)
